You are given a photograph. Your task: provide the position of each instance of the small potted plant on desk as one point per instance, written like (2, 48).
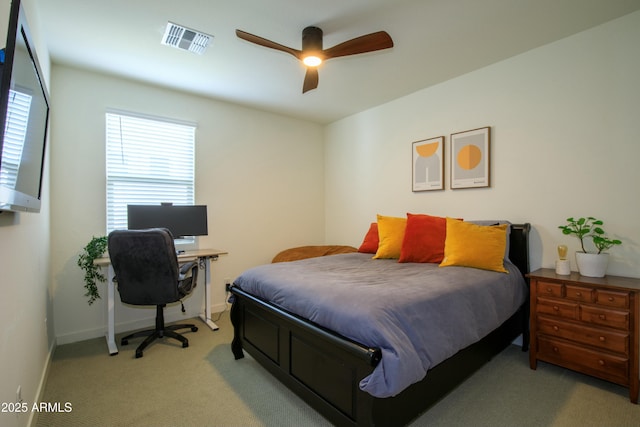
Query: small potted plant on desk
(590, 264)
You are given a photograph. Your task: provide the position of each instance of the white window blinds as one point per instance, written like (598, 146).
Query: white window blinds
(149, 161)
(15, 133)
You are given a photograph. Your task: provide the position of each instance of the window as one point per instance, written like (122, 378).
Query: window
(149, 161)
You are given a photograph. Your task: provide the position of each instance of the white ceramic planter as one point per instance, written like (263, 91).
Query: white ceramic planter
(592, 265)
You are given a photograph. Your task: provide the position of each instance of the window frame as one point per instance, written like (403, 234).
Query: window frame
(134, 138)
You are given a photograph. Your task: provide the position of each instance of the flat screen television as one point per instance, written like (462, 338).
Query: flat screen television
(24, 117)
(181, 220)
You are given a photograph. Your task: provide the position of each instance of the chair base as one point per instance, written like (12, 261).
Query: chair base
(160, 331)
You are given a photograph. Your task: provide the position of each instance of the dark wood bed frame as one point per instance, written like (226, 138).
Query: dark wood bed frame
(324, 368)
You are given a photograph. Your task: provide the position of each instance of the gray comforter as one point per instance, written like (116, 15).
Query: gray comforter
(417, 314)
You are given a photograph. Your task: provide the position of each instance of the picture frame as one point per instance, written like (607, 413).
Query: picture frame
(427, 170)
(470, 158)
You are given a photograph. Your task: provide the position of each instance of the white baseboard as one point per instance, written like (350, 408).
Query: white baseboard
(43, 381)
(219, 308)
(146, 322)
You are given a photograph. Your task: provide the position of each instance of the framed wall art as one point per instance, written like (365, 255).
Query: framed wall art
(428, 164)
(470, 158)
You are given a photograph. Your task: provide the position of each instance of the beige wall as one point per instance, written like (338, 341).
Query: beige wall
(26, 331)
(260, 174)
(565, 142)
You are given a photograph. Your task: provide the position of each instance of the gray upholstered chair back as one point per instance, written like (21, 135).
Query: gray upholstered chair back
(145, 265)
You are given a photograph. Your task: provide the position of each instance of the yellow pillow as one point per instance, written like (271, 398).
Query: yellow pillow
(478, 246)
(390, 235)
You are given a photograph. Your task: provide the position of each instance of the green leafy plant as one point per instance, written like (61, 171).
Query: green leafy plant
(584, 228)
(92, 273)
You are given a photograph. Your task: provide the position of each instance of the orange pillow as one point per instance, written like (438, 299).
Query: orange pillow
(370, 243)
(424, 239)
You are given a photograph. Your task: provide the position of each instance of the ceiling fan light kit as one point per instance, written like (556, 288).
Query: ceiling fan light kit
(312, 53)
(312, 60)
(312, 46)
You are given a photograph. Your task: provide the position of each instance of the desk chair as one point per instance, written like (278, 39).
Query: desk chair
(147, 273)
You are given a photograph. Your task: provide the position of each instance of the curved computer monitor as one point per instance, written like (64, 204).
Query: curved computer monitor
(182, 221)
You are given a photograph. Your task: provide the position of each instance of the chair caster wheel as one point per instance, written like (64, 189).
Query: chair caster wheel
(185, 344)
(138, 354)
(194, 329)
(124, 342)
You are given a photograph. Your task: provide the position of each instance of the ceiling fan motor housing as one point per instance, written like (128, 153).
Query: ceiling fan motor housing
(312, 40)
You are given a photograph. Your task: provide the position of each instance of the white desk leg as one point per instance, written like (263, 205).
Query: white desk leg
(206, 316)
(111, 307)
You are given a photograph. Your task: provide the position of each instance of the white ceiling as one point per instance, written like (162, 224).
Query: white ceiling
(435, 40)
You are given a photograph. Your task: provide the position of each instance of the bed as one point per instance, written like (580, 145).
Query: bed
(360, 378)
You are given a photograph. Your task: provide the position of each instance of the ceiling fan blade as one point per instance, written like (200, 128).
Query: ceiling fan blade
(367, 43)
(268, 43)
(310, 79)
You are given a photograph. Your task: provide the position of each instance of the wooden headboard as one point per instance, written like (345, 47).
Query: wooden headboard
(519, 247)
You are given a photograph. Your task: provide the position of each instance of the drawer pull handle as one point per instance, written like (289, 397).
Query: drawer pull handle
(555, 328)
(556, 308)
(578, 294)
(611, 299)
(549, 290)
(555, 349)
(603, 339)
(601, 362)
(602, 317)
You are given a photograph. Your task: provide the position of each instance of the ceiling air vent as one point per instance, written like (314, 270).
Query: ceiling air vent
(186, 39)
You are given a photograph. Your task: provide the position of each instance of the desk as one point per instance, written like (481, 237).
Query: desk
(204, 256)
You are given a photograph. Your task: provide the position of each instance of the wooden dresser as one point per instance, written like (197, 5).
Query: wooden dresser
(587, 324)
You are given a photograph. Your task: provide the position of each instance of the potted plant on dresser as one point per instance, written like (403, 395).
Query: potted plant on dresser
(590, 264)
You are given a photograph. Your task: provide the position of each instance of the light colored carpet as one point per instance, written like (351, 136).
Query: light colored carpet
(204, 386)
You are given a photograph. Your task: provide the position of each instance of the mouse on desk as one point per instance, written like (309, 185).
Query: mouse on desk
(179, 252)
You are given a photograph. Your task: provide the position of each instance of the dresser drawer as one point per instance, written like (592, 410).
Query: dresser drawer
(573, 356)
(549, 289)
(606, 317)
(612, 298)
(554, 307)
(597, 337)
(579, 293)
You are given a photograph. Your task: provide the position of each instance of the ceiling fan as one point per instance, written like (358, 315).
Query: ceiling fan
(312, 54)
